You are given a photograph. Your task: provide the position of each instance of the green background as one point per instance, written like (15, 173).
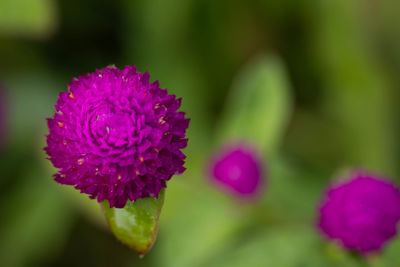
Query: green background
(313, 84)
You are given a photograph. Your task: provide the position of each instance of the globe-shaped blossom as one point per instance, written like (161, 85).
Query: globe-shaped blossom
(362, 213)
(116, 136)
(237, 170)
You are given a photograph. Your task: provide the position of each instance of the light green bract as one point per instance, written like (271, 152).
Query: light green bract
(136, 224)
(260, 105)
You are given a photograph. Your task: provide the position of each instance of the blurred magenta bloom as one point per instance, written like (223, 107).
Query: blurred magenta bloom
(362, 213)
(116, 136)
(237, 169)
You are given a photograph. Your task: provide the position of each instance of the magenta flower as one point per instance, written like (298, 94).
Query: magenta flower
(362, 213)
(237, 169)
(116, 136)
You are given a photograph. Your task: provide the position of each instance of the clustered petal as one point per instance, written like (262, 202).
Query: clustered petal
(116, 136)
(362, 213)
(237, 169)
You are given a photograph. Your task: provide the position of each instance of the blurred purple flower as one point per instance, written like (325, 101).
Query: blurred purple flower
(237, 169)
(116, 136)
(362, 213)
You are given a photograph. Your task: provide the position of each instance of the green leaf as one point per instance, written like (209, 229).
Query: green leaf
(136, 224)
(258, 109)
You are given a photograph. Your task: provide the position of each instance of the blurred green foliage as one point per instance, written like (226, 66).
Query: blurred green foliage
(31, 18)
(314, 83)
(259, 107)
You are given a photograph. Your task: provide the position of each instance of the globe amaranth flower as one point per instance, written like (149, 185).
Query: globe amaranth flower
(362, 213)
(116, 136)
(237, 169)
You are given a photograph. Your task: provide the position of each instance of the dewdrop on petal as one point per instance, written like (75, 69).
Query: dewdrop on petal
(116, 136)
(237, 169)
(362, 214)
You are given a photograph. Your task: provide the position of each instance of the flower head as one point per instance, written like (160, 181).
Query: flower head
(116, 136)
(362, 213)
(237, 169)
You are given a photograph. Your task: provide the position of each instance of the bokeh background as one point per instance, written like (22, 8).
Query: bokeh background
(329, 74)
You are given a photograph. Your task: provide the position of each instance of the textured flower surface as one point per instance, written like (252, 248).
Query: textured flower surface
(237, 169)
(362, 213)
(116, 136)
